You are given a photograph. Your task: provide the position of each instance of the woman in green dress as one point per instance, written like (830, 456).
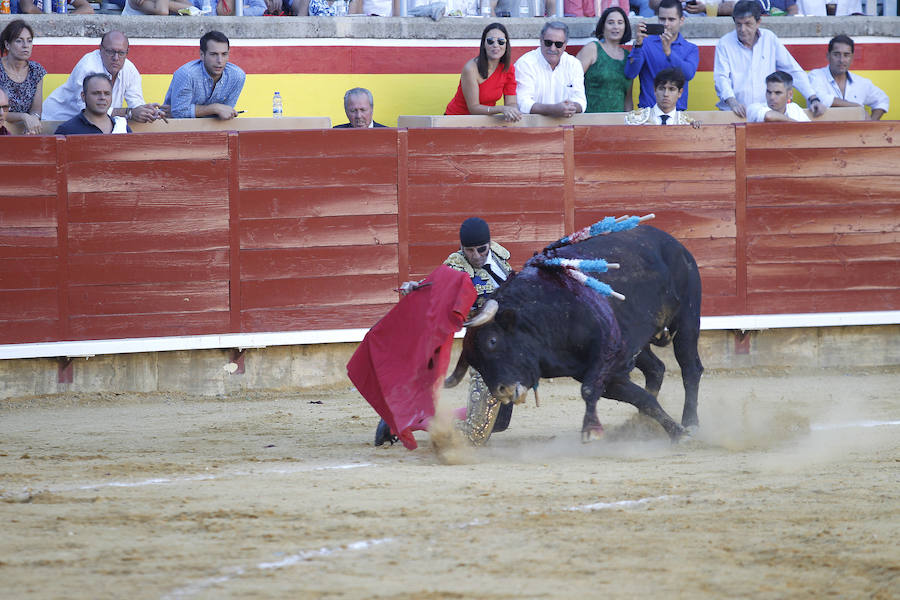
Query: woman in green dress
(605, 84)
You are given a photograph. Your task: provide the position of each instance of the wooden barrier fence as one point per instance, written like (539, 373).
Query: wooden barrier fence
(106, 237)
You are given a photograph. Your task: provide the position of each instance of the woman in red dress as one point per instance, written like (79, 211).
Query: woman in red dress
(488, 78)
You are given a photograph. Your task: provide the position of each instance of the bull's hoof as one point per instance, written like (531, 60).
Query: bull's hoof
(383, 434)
(594, 432)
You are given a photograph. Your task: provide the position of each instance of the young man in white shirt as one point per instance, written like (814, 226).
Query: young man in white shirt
(668, 86)
(838, 87)
(549, 80)
(778, 106)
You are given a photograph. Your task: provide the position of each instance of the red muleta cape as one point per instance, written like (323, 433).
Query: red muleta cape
(403, 359)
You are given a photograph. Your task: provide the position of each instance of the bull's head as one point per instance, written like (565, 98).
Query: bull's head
(496, 348)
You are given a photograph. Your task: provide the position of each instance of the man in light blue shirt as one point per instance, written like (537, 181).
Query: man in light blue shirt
(653, 53)
(746, 56)
(208, 87)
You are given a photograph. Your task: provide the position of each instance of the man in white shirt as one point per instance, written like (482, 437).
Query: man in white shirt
(65, 101)
(838, 87)
(746, 56)
(549, 80)
(778, 106)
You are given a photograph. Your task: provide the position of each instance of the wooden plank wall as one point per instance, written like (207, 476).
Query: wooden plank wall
(823, 217)
(216, 232)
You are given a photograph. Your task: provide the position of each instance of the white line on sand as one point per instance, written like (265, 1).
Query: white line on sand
(829, 426)
(619, 504)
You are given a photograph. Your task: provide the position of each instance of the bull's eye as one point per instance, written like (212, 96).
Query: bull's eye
(492, 343)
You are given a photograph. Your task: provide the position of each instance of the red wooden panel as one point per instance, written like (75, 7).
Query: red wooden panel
(148, 298)
(36, 211)
(19, 151)
(875, 218)
(721, 306)
(27, 241)
(824, 134)
(812, 277)
(680, 224)
(196, 233)
(690, 195)
(716, 252)
(183, 175)
(32, 273)
(842, 193)
(837, 247)
(504, 228)
(647, 166)
(436, 198)
(822, 301)
(496, 143)
(148, 267)
(317, 172)
(146, 205)
(718, 281)
(151, 325)
(318, 261)
(365, 289)
(26, 179)
(324, 201)
(146, 147)
(21, 331)
(315, 317)
(823, 162)
(27, 304)
(680, 140)
(546, 169)
(319, 231)
(275, 146)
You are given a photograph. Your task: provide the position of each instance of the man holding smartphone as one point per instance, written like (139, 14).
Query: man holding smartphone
(656, 50)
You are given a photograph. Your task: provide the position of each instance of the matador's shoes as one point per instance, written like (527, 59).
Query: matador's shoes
(383, 434)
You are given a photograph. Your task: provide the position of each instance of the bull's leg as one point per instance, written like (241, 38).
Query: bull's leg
(685, 347)
(504, 416)
(652, 368)
(590, 426)
(624, 390)
(481, 411)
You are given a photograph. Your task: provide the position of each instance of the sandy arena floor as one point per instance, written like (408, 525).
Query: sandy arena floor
(791, 489)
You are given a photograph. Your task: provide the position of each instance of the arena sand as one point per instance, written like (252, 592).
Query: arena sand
(789, 490)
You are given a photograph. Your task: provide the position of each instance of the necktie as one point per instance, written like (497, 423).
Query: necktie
(663, 118)
(493, 275)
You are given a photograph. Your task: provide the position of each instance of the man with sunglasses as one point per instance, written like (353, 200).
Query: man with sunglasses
(487, 263)
(66, 102)
(549, 80)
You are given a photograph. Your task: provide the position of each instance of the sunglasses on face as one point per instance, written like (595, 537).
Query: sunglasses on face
(498, 41)
(549, 43)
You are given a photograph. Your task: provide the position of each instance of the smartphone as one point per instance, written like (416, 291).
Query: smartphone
(654, 28)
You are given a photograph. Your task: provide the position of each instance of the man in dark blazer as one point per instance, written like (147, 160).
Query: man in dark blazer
(359, 105)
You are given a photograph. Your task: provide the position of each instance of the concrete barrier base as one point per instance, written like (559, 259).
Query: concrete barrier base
(224, 372)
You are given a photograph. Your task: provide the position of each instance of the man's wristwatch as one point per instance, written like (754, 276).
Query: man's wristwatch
(813, 99)
(128, 113)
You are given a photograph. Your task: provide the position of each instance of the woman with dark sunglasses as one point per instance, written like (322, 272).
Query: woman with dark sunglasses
(487, 78)
(605, 84)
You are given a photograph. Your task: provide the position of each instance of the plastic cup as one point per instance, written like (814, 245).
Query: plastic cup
(712, 9)
(830, 8)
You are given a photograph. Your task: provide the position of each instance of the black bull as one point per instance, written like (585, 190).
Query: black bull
(548, 325)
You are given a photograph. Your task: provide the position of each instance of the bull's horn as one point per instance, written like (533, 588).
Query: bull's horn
(461, 366)
(484, 316)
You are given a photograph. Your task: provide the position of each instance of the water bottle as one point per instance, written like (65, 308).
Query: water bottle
(277, 107)
(206, 8)
(485, 8)
(523, 8)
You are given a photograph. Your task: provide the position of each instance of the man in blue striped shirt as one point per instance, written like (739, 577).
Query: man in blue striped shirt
(208, 87)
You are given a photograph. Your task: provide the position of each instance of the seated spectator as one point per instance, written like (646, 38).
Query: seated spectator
(97, 96)
(225, 8)
(549, 80)
(768, 7)
(488, 78)
(318, 8)
(838, 87)
(36, 7)
(359, 105)
(668, 86)
(154, 7)
(65, 102)
(208, 87)
(23, 79)
(744, 57)
(605, 84)
(376, 8)
(4, 109)
(779, 105)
